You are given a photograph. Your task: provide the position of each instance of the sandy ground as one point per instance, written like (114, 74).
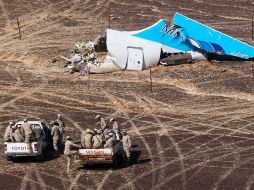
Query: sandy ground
(194, 131)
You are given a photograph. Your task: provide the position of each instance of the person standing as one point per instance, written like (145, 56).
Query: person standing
(56, 136)
(27, 132)
(70, 150)
(126, 145)
(114, 123)
(60, 121)
(7, 134)
(16, 134)
(102, 122)
(115, 128)
(37, 131)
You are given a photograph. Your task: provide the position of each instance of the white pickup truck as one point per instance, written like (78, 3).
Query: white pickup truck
(15, 149)
(114, 155)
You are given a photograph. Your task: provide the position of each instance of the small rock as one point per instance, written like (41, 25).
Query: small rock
(54, 60)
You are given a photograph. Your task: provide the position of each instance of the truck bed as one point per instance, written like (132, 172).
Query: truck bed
(96, 155)
(21, 149)
(105, 155)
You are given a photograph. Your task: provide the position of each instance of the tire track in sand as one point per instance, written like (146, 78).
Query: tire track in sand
(74, 182)
(114, 100)
(177, 149)
(104, 179)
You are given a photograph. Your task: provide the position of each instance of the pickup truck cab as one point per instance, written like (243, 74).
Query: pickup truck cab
(17, 149)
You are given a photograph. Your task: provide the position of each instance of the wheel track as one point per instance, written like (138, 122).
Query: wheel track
(178, 150)
(187, 156)
(41, 181)
(249, 183)
(5, 12)
(114, 99)
(104, 179)
(229, 171)
(28, 179)
(201, 168)
(74, 183)
(197, 165)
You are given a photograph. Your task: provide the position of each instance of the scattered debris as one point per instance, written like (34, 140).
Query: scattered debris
(85, 54)
(184, 41)
(100, 44)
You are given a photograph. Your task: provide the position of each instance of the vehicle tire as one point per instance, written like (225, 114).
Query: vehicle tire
(115, 162)
(8, 158)
(40, 157)
(124, 159)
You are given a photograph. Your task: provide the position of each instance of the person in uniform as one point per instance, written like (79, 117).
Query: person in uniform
(12, 133)
(7, 134)
(16, 134)
(60, 121)
(126, 144)
(98, 138)
(109, 141)
(70, 149)
(115, 128)
(27, 132)
(102, 122)
(37, 131)
(114, 124)
(87, 138)
(56, 136)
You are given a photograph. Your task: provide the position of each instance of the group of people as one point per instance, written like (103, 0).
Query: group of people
(22, 132)
(105, 136)
(26, 132)
(102, 137)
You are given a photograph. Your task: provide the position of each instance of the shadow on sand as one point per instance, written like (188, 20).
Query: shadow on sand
(134, 160)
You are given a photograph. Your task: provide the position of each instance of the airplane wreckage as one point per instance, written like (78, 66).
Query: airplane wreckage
(185, 39)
